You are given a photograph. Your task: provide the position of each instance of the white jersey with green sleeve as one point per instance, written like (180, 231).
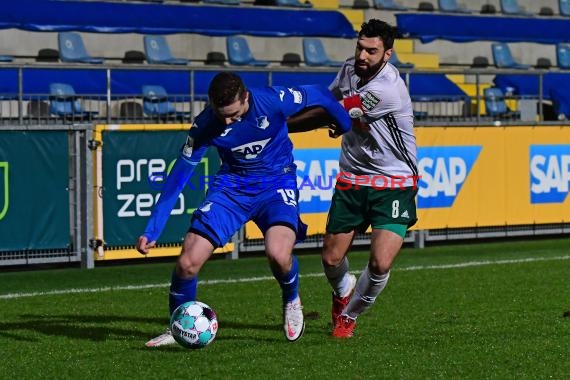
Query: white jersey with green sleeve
(388, 149)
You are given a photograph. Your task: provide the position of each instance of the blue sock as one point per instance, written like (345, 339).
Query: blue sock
(181, 290)
(289, 282)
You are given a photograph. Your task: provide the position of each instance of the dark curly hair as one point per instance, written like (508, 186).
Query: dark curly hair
(377, 28)
(224, 88)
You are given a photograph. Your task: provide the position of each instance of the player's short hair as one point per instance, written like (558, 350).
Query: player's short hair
(224, 88)
(377, 28)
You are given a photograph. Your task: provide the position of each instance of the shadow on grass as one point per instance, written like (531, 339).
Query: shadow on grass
(96, 328)
(99, 328)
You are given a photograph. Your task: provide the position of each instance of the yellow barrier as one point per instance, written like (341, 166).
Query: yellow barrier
(471, 176)
(520, 176)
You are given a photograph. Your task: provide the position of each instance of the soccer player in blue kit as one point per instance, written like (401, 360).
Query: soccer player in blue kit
(256, 181)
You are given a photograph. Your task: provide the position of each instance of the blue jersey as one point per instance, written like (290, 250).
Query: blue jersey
(255, 147)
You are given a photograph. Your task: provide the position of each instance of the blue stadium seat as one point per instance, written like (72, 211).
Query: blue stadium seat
(72, 49)
(503, 58)
(563, 56)
(394, 60)
(389, 5)
(65, 103)
(239, 53)
(156, 103)
(512, 8)
(294, 4)
(495, 104)
(564, 7)
(157, 51)
(315, 55)
(452, 6)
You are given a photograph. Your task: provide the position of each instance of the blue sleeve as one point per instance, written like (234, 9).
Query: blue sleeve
(175, 182)
(295, 99)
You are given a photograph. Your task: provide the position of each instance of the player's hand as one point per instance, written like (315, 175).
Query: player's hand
(143, 246)
(334, 132)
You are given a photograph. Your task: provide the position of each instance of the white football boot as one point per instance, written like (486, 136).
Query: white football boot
(293, 320)
(165, 339)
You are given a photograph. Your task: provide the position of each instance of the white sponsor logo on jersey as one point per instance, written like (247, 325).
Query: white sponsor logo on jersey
(281, 94)
(252, 149)
(224, 133)
(369, 100)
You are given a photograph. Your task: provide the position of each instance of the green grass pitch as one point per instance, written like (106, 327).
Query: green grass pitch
(477, 311)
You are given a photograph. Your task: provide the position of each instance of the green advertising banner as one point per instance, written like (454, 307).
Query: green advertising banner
(34, 198)
(134, 163)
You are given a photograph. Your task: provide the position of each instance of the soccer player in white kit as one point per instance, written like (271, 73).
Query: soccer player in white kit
(378, 176)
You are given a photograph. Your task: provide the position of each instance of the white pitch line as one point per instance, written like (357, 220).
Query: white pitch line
(265, 278)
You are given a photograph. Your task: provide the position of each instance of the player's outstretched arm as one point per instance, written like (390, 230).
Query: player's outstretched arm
(309, 119)
(310, 107)
(175, 183)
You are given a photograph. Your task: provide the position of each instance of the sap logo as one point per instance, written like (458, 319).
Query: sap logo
(443, 172)
(316, 174)
(549, 173)
(252, 149)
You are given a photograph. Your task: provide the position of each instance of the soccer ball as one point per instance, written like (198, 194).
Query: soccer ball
(194, 324)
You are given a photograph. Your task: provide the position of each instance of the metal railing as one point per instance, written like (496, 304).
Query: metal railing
(23, 108)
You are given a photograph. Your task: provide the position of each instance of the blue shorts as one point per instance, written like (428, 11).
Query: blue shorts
(228, 206)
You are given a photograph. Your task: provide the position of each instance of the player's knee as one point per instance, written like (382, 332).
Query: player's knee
(380, 266)
(187, 267)
(331, 256)
(279, 257)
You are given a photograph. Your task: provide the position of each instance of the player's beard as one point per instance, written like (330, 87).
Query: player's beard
(369, 71)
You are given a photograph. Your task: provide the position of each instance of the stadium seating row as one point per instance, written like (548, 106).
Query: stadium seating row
(65, 104)
(313, 52)
(506, 7)
(280, 3)
(157, 105)
(503, 58)
(148, 88)
(157, 51)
